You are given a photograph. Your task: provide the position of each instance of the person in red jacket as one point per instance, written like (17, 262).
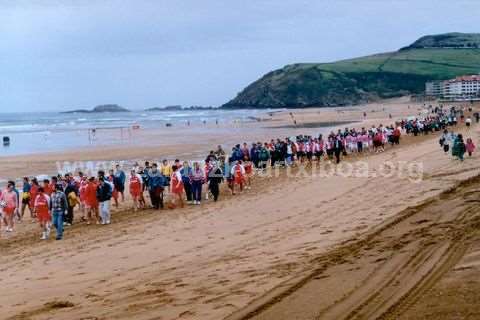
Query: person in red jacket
(396, 135)
(135, 187)
(248, 165)
(42, 210)
(238, 174)
(33, 195)
(47, 187)
(176, 186)
(91, 202)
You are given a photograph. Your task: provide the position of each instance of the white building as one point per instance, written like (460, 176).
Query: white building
(460, 88)
(434, 88)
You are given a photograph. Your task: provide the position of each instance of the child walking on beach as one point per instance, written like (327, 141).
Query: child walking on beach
(470, 147)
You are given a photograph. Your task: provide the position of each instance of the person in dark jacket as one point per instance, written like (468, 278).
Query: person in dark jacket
(104, 194)
(215, 177)
(156, 184)
(338, 148)
(186, 172)
(119, 179)
(254, 152)
(71, 187)
(459, 148)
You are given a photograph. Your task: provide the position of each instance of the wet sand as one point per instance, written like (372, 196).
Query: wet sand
(297, 247)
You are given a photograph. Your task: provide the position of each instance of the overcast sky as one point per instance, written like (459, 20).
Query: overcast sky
(58, 55)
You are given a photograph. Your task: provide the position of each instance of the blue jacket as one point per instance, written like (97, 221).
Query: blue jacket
(155, 180)
(254, 153)
(120, 177)
(186, 173)
(238, 155)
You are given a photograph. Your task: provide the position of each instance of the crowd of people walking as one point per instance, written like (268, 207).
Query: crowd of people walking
(52, 202)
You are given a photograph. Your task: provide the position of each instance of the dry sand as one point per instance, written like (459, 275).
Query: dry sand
(291, 248)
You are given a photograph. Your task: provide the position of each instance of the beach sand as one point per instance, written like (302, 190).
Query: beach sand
(302, 247)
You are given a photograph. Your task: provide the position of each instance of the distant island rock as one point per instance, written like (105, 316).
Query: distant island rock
(167, 108)
(101, 109)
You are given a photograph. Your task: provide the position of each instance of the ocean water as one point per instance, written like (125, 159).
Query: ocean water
(46, 132)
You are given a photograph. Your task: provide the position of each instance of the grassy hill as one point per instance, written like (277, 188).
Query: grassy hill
(364, 79)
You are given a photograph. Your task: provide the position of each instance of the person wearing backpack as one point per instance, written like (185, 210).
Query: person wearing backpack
(71, 192)
(104, 194)
(459, 148)
(58, 205)
(215, 177)
(264, 156)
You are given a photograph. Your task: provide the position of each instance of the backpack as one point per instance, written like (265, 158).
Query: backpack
(263, 155)
(73, 200)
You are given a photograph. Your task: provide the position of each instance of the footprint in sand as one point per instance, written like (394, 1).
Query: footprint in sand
(187, 313)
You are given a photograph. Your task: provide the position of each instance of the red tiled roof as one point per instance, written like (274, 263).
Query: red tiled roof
(467, 78)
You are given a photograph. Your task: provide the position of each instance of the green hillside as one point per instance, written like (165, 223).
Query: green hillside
(364, 79)
(448, 40)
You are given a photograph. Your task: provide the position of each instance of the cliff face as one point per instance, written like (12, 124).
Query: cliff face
(363, 79)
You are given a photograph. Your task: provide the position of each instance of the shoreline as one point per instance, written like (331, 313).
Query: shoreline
(172, 143)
